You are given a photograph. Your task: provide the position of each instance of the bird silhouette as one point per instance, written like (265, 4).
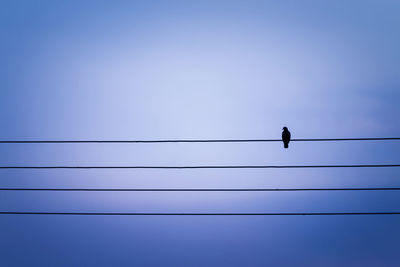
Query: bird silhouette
(285, 137)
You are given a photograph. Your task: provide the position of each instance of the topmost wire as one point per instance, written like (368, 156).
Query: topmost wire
(201, 140)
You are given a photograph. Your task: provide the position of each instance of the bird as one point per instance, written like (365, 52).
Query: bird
(285, 137)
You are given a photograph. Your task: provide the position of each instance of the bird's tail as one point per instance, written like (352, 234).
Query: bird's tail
(286, 145)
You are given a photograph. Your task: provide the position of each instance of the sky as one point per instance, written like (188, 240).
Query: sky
(126, 70)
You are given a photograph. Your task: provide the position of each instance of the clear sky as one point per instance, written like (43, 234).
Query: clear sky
(199, 70)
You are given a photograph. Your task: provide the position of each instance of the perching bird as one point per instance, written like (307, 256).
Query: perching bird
(285, 137)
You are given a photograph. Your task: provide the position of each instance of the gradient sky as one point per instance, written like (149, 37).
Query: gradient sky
(115, 70)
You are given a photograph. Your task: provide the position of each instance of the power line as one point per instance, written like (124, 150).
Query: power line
(199, 140)
(345, 139)
(201, 189)
(198, 214)
(205, 167)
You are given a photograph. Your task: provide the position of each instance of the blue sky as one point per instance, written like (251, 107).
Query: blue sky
(199, 70)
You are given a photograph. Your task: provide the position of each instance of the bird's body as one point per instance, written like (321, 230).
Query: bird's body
(285, 137)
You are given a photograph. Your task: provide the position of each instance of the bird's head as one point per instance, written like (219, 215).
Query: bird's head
(285, 128)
